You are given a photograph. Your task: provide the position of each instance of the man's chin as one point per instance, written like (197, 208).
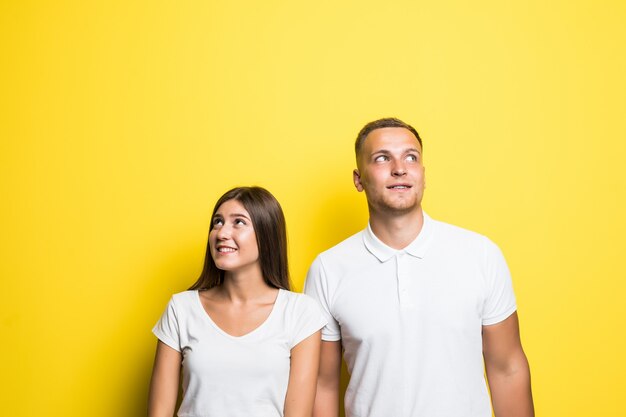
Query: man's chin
(399, 208)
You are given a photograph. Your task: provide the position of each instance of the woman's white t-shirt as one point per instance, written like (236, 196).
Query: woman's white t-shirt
(229, 376)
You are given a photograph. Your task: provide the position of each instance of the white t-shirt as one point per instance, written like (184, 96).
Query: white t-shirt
(229, 376)
(410, 321)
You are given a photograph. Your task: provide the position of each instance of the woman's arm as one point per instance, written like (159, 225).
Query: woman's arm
(164, 383)
(305, 360)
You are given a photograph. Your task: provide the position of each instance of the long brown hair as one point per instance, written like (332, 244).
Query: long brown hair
(269, 225)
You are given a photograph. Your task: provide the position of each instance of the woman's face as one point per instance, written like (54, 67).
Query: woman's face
(232, 240)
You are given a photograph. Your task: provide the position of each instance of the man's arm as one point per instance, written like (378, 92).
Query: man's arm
(507, 369)
(327, 396)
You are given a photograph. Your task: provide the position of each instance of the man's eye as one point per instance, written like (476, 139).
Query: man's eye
(412, 158)
(381, 158)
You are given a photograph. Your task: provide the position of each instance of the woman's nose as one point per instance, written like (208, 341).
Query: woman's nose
(223, 232)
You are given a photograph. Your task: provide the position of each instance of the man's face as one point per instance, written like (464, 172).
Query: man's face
(390, 171)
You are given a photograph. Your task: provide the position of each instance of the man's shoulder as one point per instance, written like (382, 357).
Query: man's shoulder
(345, 256)
(452, 230)
(450, 234)
(347, 247)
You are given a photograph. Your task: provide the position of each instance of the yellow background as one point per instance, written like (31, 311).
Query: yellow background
(121, 122)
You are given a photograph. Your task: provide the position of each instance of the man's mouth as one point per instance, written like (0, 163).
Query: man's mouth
(399, 187)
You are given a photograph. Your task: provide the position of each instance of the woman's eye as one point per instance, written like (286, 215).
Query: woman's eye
(240, 222)
(218, 222)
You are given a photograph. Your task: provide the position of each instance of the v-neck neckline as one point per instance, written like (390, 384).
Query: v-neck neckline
(252, 332)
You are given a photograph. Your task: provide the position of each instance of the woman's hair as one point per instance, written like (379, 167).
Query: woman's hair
(269, 225)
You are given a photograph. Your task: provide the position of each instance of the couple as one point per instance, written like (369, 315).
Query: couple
(421, 310)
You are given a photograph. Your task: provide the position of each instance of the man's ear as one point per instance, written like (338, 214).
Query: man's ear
(356, 177)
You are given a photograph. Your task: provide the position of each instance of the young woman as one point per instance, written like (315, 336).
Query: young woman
(247, 346)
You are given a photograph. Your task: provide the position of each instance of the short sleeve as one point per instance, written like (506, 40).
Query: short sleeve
(308, 319)
(500, 299)
(317, 287)
(167, 329)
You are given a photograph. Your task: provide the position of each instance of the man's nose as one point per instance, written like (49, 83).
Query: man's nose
(398, 169)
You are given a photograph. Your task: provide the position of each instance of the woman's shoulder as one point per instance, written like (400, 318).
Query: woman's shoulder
(304, 315)
(300, 301)
(294, 296)
(184, 298)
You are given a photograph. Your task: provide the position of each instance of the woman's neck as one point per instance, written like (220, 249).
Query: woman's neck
(245, 286)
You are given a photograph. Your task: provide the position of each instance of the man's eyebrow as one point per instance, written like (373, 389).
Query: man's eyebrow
(412, 150)
(385, 151)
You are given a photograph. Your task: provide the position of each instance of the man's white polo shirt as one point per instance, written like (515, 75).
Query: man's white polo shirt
(410, 320)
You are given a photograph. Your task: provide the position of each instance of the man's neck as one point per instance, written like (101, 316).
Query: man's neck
(397, 230)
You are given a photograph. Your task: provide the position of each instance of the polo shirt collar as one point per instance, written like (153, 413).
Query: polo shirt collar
(417, 248)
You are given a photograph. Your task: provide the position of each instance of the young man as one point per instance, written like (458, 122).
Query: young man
(416, 304)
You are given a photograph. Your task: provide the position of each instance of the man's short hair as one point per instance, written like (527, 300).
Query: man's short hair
(380, 124)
